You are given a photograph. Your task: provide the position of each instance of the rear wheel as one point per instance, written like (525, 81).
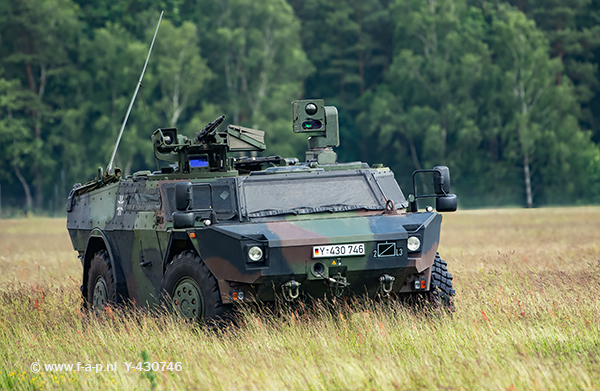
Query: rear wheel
(441, 292)
(101, 283)
(191, 289)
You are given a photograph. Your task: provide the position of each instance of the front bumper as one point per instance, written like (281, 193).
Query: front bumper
(289, 258)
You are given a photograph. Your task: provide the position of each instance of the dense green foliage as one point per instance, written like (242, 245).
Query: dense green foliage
(504, 93)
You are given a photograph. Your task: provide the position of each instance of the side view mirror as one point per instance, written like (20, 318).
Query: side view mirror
(183, 195)
(183, 220)
(441, 180)
(446, 203)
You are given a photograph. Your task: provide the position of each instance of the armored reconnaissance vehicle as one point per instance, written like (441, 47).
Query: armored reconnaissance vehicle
(208, 229)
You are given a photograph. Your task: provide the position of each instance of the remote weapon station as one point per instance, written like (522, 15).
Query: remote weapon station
(209, 229)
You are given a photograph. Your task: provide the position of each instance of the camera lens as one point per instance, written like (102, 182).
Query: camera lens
(311, 109)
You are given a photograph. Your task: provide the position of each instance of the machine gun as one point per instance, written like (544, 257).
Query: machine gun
(209, 150)
(208, 130)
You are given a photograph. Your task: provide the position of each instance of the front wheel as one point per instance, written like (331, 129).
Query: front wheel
(191, 289)
(101, 283)
(441, 292)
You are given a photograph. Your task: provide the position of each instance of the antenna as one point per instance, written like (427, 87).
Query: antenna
(137, 88)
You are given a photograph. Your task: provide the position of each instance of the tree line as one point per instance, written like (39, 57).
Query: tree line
(505, 93)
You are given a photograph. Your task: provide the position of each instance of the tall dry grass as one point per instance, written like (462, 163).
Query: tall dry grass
(527, 318)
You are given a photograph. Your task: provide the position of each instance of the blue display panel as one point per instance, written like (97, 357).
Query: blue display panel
(198, 161)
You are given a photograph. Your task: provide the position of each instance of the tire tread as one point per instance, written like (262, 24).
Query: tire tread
(214, 305)
(441, 291)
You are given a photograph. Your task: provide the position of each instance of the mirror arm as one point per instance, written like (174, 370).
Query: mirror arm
(415, 184)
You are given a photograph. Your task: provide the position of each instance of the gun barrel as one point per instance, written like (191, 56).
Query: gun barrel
(216, 123)
(208, 129)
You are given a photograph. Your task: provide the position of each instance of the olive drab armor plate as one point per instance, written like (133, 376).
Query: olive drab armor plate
(223, 229)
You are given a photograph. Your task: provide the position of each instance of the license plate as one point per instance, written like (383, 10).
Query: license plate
(339, 250)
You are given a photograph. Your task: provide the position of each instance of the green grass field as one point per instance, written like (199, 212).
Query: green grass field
(527, 318)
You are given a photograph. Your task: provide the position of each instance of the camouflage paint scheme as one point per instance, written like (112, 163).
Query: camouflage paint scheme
(287, 210)
(131, 219)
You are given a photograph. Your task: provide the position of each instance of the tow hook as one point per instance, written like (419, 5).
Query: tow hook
(387, 283)
(339, 282)
(291, 290)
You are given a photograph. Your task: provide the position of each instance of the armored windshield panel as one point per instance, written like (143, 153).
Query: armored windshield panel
(201, 196)
(218, 196)
(215, 196)
(223, 202)
(390, 188)
(311, 193)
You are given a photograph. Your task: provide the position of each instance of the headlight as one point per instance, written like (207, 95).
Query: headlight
(413, 243)
(255, 253)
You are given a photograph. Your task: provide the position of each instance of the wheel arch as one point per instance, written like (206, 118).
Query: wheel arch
(178, 243)
(97, 241)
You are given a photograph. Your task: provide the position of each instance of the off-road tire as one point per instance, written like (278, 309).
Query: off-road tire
(441, 292)
(101, 290)
(187, 274)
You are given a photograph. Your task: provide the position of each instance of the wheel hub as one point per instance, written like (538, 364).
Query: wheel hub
(188, 299)
(100, 297)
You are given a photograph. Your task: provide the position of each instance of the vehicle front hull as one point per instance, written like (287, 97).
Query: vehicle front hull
(289, 247)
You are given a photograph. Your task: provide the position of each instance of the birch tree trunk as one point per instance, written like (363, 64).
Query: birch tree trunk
(26, 189)
(527, 177)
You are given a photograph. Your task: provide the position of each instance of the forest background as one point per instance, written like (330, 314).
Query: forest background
(505, 93)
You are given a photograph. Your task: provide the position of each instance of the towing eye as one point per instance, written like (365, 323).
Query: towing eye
(291, 290)
(386, 282)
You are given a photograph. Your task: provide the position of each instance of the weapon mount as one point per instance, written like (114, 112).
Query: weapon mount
(208, 152)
